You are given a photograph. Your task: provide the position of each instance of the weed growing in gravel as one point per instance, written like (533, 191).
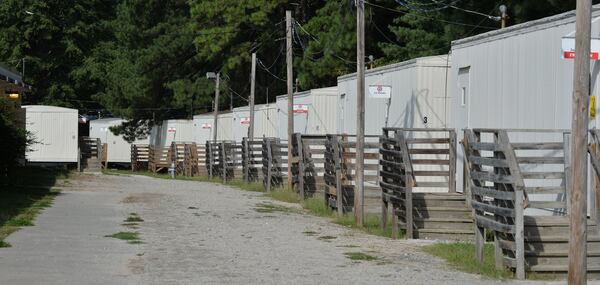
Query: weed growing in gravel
(359, 256)
(4, 244)
(133, 218)
(310, 233)
(326, 238)
(460, 255)
(130, 237)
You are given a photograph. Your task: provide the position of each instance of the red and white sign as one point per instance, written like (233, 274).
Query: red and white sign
(300, 109)
(568, 48)
(171, 130)
(380, 91)
(245, 120)
(206, 126)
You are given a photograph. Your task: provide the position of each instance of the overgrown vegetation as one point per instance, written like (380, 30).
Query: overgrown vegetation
(30, 191)
(133, 218)
(461, 256)
(14, 139)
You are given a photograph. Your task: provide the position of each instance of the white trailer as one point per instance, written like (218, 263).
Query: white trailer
(172, 131)
(409, 94)
(55, 131)
(315, 112)
(518, 78)
(118, 149)
(265, 121)
(203, 125)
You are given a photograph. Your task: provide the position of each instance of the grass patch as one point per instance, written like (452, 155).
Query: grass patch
(461, 256)
(133, 218)
(359, 256)
(284, 195)
(29, 191)
(317, 207)
(371, 225)
(310, 233)
(253, 186)
(271, 208)
(130, 237)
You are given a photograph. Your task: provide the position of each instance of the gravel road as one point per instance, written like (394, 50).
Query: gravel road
(203, 233)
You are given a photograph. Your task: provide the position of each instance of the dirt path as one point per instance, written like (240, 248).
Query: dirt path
(202, 233)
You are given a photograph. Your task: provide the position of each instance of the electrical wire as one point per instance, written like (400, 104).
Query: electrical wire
(261, 65)
(430, 18)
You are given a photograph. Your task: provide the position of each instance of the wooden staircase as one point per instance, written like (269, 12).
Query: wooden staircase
(91, 155)
(547, 244)
(415, 165)
(441, 216)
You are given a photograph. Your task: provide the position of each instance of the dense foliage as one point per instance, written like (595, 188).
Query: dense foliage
(146, 60)
(14, 138)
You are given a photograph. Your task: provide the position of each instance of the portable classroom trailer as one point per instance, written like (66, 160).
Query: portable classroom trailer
(55, 131)
(203, 125)
(172, 131)
(315, 112)
(225, 126)
(418, 97)
(265, 121)
(517, 78)
(118, 149)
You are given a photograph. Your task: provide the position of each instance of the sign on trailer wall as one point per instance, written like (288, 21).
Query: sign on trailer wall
(380, 91)
(568, 48)
(300, 109)
(171, 130)
(206, 126)
(245, 120)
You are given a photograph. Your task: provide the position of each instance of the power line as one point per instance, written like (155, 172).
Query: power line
(325, 48)
(261, 64)
(430, 18)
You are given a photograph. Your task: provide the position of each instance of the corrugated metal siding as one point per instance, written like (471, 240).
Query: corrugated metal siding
(184, 132)
(267, 121)
(55, 131)
(202, 135)
(225, 125)
(517, 79)
(418, 91)
(239, 130)
(322, 116)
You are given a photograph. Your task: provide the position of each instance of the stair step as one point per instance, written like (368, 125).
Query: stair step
(558, 253)
(439, 196)
(445, 220)
(559, 268)
(446, 231)
(557, 238)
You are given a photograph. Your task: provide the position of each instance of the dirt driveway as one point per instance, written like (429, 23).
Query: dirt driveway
(203, 233)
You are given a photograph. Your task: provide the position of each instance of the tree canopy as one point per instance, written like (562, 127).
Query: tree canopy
(146, 60)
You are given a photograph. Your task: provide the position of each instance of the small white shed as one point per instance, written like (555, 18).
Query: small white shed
(265, 121)
(203, 125)
(55, 131)
(410, 94)
(315, 112)
(118, 149)
(173, 131)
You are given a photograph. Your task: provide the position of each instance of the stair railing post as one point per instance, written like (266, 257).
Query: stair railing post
(452, 162)
(408, 180)
(300, 151)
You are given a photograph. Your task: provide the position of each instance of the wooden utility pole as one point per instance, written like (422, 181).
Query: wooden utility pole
(360, 108)
(252, 84)
(216, 111)
(579, 132)
(290, 92)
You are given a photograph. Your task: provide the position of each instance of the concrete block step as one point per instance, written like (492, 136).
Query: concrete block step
(444, 223)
